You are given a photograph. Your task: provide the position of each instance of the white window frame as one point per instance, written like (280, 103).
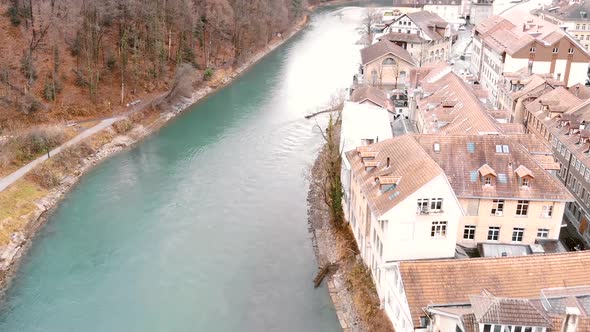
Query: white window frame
(438, 230)
(547, 211)
(542, 233)
(522, 206)
(517, 234)
(495, 233)
(497, 207)
(469, 232)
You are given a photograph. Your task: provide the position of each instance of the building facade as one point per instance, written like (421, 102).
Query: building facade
(385, 64)
(425, 35)
(572, 16)
(518, 40)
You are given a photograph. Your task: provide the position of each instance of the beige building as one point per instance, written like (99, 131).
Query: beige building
(425, 35)
(573, 16)
(505, 194)
(385, 64)
(519, 40)
(560, 118)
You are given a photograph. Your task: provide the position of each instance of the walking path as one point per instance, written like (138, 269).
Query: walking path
(13, 177)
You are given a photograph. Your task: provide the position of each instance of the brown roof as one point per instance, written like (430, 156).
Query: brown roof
(580, 91)
(467, 116)
(517, 29)
(403, 37)
(430, 23)
(461, 156)
(453, 281)
(384, 47)
(507, 311)
(371, 94)
(409, 163)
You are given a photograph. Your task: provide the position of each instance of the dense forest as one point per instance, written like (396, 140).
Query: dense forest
(71, 59)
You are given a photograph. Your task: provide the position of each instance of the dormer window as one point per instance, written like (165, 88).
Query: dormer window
(487, 175)
(524, 176)
(488, 181)
(525, 182)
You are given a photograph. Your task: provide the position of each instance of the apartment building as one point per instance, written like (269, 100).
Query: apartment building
(401, 205)
(425, 35)
(516, 89)
(506, 195)
(572, 16)
(535, 293)
(479, 10)
(452, 11)
(519, 40)
(560, 119)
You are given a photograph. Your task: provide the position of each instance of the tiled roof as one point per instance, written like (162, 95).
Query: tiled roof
(403, 37)
(430, 23)
(462, 156)
(453, 281)
(408, 162)
(381, 48)
(467, 116)
(517, 29)
(372, 94)
(580, 90)
(507, 311)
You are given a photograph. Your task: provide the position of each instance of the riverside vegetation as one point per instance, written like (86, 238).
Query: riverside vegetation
(352, 290)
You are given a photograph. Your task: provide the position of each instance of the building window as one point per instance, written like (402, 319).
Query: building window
(522, 208)
(423, 205)
(469, 232)
(439, 229)
(525, 182)
(493, 233)
(497, 207)
(389, 62)
(532, 50)
(547, 211)
(577, 27)
(488, 181)
(517, 234)
(542, 233)
(555, 50)
(570, 50)
(436, 204)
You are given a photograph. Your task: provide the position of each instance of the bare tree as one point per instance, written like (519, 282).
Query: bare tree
(371, 18)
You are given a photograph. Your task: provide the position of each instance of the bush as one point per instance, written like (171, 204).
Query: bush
(208, 74)
(122, 126)
(14, 16)
(37, 142)
(70, 157)
(111, 62)
(45, 176)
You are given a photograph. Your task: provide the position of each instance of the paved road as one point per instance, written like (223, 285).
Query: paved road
(13, 177)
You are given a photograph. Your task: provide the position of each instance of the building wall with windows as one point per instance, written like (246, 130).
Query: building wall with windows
(509, 221)
(387, 70)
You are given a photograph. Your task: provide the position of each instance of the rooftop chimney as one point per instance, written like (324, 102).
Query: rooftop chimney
(570, 323)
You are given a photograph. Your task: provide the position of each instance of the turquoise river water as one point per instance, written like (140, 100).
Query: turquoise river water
(202, 227)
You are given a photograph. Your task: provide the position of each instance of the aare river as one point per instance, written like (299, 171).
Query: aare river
(203, 226)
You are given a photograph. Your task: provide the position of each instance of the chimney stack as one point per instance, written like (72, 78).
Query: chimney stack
(570, 323)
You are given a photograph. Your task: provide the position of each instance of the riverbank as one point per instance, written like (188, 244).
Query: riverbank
(351, 286)
(34, 202)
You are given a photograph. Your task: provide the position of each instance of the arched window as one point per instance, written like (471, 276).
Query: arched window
(389, 62)
(437, 53)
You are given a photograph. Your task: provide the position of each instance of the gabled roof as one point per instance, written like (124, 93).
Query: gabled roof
(507, 311)
(430, 23)
(453, 281)
(522, 172)
(403, 37)
(382, 48)
(410, 165)
(371, 94)
(487, 170)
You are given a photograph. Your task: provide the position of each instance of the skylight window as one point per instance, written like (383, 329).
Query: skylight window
(473, 176)
(470, 147)
(502, 148)
(502, 178)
